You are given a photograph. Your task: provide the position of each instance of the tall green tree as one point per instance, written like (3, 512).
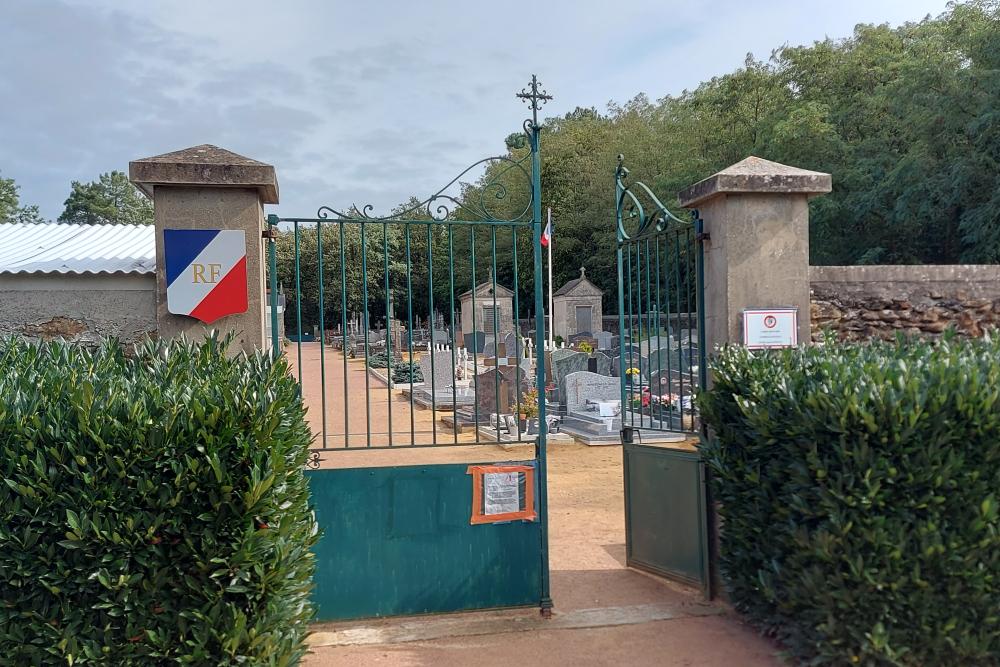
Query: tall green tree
(10, 204)
(111, 199)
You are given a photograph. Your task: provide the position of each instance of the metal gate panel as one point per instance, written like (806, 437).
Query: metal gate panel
(665, 513)
(662, 365)
(403, 539)
(398, 541)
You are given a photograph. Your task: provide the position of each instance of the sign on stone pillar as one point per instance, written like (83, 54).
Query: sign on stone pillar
(200, 193)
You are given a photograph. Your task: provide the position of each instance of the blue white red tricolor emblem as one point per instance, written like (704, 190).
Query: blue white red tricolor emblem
(206, 272)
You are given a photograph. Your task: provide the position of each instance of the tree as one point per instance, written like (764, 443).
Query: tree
(10, 205)
(110, 200)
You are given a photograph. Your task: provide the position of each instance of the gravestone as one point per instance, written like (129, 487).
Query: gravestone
(584, 386)
(657, 342)
(603, 340)
(489, 349)
(441, 336)
(502, 379)
(660, 360)
(565, 362)
(442, 374)
(599, 363)
(513, 344)
(475, 341)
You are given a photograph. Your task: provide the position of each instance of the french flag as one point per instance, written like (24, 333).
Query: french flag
(206, 272)
(547, 233)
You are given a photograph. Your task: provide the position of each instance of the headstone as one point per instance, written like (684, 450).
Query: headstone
(441, 336)
(657, 343)
(584, 386)
(502, 379)
(603, 340)
(490, 349)
(599, 363)
(513, 344)
(565, 362)
(475, 341)
(442, 374)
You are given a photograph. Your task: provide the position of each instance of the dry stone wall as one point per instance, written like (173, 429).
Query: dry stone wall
(865, 302)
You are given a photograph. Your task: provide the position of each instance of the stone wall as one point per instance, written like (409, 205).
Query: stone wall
(863, 302)
(78, 308)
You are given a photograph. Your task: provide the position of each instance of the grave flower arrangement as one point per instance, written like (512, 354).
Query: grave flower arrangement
(631, 374)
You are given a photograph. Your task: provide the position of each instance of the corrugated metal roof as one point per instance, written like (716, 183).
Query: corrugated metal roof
(64, 248)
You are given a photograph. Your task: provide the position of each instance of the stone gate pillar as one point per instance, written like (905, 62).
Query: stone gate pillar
(209, 188)
(756, 215)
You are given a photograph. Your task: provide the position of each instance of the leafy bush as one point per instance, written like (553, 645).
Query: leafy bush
(153, 507)
(859, 490)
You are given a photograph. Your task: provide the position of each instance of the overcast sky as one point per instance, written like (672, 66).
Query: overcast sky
(353, 102)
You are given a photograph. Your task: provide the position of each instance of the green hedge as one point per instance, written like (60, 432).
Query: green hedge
(859, 489)
(154, 508)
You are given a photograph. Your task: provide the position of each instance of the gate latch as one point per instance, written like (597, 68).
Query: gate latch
(701, 237)
(270, 234)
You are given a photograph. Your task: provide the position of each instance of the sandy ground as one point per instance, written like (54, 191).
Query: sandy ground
(587, 553)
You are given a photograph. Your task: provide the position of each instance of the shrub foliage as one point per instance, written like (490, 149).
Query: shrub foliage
(153, 508)
(859, 490)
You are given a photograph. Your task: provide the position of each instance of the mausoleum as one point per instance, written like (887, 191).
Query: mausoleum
(577, 307)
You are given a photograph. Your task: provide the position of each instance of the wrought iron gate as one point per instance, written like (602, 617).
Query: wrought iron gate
(661, 366)
(404, 342)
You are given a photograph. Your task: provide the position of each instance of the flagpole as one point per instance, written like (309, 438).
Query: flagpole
(552, 314)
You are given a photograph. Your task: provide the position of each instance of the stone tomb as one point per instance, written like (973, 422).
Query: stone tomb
(593, 408)
(604, 339)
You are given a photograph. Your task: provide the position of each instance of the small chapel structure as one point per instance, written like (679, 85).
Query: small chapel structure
(492, 312)
(576, 307)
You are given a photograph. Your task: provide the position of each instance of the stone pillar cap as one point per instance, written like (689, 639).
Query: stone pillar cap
(756, 174)
(205, 165)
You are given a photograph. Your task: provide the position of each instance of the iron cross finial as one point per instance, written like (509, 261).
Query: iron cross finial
(534, 96)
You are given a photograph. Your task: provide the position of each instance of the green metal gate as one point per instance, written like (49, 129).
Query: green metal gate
(661, 366)
(404, 332)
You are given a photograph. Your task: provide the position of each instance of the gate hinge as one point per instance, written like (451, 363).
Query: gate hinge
(270, 234)
(701, 237)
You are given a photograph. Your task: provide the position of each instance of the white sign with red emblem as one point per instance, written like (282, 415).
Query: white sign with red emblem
(771, 328)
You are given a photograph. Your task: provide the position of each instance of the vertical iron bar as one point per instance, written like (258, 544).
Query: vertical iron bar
(343, 324)
(649, 330)
(298, 301)
(631, 353)
(666, 268)
(496, 325)
(322, 324)
(680, 356)
(430, 319)
(517, 335)
(409, 331)
(475, 339)
(388, 327)
(659, 326)
(639, 318)
(272, 261)
(699, 228)
(454, 341)
(540, 448)
(688, 265)
(364, 323)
